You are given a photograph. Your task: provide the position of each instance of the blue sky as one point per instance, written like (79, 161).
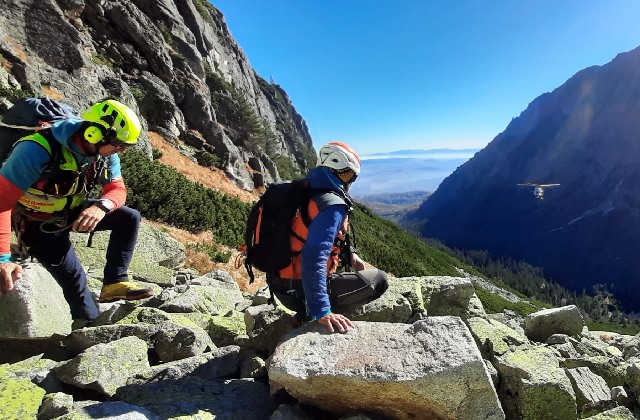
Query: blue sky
(387, 75)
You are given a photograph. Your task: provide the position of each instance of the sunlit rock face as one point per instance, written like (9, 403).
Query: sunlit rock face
(583, 136)
(174, 62)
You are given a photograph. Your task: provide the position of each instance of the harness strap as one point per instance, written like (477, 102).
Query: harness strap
(22, 127)
(90, 240)
(272, 298)
(22, 251)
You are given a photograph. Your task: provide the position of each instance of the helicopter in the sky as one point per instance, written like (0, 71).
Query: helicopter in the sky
(538, 189)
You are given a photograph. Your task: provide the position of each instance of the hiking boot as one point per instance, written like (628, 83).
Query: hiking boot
(124, 290)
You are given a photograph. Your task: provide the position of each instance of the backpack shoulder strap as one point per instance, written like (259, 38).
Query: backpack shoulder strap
(45, 139)
(324, 199)
(39, 139)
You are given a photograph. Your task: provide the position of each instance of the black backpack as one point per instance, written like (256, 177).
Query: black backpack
(26, 116)
(269, 226)
(268, 230)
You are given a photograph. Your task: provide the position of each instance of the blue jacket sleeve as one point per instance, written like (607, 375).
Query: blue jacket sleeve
(315, 253)
(25, 164)
(114, 169)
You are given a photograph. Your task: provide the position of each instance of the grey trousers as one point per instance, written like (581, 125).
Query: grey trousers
(345, 290)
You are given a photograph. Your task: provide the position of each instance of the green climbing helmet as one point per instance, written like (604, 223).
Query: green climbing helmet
(121, 124)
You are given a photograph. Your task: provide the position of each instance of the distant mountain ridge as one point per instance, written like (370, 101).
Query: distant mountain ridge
(402, 199)
(394, 206)
(411, 152)
(583, 135)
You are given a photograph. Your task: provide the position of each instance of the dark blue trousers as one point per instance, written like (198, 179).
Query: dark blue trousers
(55, 252)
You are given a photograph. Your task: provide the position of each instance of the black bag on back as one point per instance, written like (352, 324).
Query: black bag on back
(269, 227)
(28, 114)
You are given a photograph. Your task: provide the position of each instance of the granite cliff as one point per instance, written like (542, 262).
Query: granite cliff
(173, 61)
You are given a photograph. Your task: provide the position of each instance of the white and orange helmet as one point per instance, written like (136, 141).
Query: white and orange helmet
(339, 156)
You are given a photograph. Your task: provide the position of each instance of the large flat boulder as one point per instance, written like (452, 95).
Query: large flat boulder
(430, 369)
(35, 308)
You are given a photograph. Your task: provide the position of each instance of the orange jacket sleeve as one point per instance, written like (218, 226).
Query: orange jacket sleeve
(115, 191)
(9, 196)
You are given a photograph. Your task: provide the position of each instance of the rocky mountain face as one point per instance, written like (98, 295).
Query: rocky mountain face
(172, 61)
(585, 136)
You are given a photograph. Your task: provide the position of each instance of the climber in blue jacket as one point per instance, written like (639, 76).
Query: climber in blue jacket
(312, 285)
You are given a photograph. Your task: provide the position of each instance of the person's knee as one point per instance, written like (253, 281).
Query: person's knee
(381, 283)
(134, 215)
(129, 216)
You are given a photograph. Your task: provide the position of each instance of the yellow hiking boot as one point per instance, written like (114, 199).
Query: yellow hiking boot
(124, 290)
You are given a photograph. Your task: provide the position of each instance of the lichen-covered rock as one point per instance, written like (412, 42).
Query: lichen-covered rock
(631, 348)
(390, 307)
(542, 324)
(533, 386)
(445, 295)
(28, 368)
(19, 397)
(143, 267)
(80, 340)
(213, 300)
(493, 337)
(253, 366)
(220, 363)
(115, 312)
(192, 396)
(411, 289)
(265, 326)
(106, 367)
(55, 405)
(213, 277)
(227, 330)
(633, 378)
(612, 370)
(172, 336)
(511, 319)
(35, 308)
(623, 396)
(110, 410)
(35, 369)
(589, 387)
(175, 342)
(156, 316)
(618, 413)
(629, 345)
(476, 308)
(430, 369)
